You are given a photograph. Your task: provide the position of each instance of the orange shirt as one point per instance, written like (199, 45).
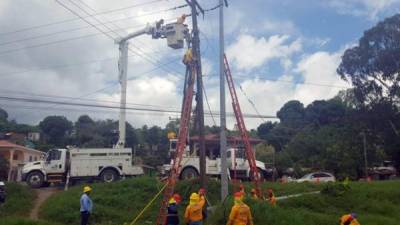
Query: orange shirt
(240, 215)
(194, 212)
(345, 218)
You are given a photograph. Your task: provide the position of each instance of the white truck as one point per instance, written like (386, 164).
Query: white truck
(105, 164)
(238, 165)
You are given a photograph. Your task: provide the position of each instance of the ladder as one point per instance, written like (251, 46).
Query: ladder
(255, 174)
(181, 145)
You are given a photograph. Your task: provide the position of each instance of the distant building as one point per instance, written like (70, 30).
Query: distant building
(34, 136)
(17, 156)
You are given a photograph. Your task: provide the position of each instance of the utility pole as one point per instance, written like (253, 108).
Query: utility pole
(365, 154)
(199, 95)
(222, 134)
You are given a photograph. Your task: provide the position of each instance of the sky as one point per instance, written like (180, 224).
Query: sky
(278, 51)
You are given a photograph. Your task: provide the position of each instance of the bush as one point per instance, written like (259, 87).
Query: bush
(335, 189)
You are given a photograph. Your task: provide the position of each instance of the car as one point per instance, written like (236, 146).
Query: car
(2, 192)
(317, 177)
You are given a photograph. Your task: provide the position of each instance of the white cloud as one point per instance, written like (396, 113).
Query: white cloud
(248, 52)
(279, 26)
(370, 8)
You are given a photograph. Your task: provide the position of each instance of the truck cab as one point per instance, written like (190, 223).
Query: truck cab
(50, 169)
(238, 164)
(61, 165)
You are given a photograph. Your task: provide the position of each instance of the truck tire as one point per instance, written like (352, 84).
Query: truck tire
(35, 179)
(189, 173)
(109, 175)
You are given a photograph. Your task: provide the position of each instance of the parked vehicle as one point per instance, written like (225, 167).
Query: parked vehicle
(106, 164)
(317, 177)
(236, 158)
(2, 192)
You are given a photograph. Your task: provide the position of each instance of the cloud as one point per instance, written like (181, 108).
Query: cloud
(249, 52)
(370, 8)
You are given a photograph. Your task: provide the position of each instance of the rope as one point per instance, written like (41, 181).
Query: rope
(148, 205)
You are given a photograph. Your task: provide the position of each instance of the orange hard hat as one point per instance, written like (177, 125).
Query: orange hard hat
(202, 191)
(238, 195)
(177, 198)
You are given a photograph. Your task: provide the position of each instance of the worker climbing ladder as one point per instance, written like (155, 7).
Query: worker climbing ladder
(255, 174)
(182, 137)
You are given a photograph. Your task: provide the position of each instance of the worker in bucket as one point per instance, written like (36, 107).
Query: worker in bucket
(240, 212)
(172, 216)
(271, 197)
(349, 219)
(254, 194)
(86, 205)
(194, 211)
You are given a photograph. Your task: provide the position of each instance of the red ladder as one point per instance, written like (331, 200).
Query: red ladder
(255, 174)
(181, 145)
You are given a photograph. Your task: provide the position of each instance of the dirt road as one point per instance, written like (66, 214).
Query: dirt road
(42, 195)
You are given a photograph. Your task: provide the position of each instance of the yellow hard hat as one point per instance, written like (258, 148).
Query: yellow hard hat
(194, 197)
(171, 200)
(87, 189)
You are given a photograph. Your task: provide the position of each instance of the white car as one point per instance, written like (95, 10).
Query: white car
(317, 177)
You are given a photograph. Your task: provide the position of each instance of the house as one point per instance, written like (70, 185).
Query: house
(17, 156)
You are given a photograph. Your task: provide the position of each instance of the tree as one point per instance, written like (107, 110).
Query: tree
(292, 114)
(373, 66)
(56, 129)
(323, 112)
(3, 115)
(85, 129)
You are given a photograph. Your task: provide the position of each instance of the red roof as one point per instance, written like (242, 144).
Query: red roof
(230, 139)
(7, 144)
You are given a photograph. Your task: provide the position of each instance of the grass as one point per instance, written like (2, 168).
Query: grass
(376, 203)
(19, 201)
(117, 203)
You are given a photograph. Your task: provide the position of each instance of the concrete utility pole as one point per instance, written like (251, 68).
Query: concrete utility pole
(222, 135)
(199, 95)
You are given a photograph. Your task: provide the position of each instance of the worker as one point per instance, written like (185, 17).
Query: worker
(349, 219)
(254, 194)
(271, 197)
(202, 195)
(172, 216)
(242, 190)
(86, 205)
(240, 212)
(193, 213)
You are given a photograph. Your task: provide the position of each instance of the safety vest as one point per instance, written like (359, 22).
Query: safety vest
(348, 220)
(194, 212)
(240, 214)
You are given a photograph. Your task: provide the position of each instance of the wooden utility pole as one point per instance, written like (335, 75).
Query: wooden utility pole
(195, 6)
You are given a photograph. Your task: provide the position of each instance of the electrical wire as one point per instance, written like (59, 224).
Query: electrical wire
(52, 102)
(251, 102)
(101, 22)
(75, 19)
(147, 58)
(208, 105)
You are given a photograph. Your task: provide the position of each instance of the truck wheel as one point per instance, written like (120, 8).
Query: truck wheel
(109, 175)
(35, 179)
(189, 173)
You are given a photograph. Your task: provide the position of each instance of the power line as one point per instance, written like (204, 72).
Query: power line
(69, 65)
(101, 22)
(52, 102)
(148, 58)
(74, 19)
(251, 102)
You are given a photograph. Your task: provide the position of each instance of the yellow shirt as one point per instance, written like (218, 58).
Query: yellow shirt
(240, 215)
(194, 212)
